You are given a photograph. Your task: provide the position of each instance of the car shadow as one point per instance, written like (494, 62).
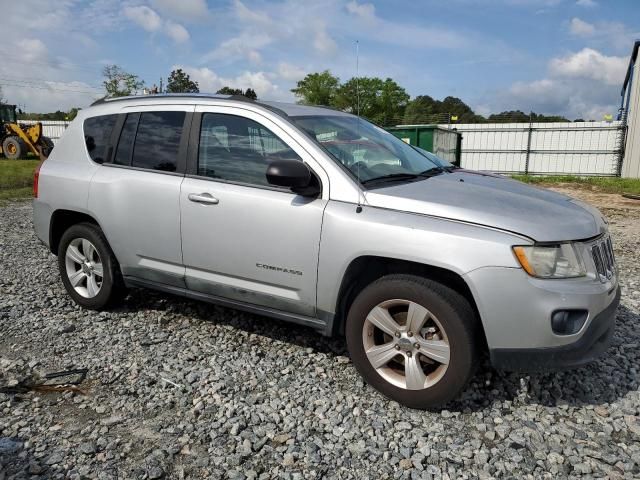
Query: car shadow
(603, 381)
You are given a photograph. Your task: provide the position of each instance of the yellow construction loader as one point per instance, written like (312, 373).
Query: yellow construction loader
(18, 139)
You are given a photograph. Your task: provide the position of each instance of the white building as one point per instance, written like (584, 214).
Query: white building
(631, 104)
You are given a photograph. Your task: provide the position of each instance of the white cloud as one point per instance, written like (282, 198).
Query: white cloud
(246, 46)
(210, 81)
(589, 63)
(176, 32)
(363, 10)
(586, 3)
(584, 84)
(150, 21)
(609, 34)
(581, 28)
(290, 72)
(322, 42)
(143, 16)
(184, 9)
(40, 83)
(247, 15)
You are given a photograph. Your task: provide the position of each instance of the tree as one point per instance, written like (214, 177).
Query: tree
(392, 102)
(119, 83)
(2, 100)
(421, 110)
(249, 92)
(381, 101)
(517, 116)
(180, 82)
(425, 109)
(317, 89)
(71, 114)
(359, 96)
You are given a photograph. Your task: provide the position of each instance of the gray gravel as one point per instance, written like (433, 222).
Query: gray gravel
(180, 389)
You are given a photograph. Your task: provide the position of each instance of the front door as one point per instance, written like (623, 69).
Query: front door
(243, 239)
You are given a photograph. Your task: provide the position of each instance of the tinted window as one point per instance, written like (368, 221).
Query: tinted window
(123, 153)
(97, 136)
(158, 140)
(238, 149)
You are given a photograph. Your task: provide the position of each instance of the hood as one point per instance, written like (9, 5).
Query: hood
(494, 201)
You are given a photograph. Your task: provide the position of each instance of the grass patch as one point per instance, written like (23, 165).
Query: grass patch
(604, 184)
(16, 178)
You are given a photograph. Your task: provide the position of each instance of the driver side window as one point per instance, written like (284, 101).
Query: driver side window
(238, 149)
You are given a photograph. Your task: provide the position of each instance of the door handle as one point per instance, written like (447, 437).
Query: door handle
(203, 198)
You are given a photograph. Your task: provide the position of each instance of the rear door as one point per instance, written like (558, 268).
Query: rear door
(135, 195)
(242, 238)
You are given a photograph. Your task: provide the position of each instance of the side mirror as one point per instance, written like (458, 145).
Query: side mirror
(293, 174)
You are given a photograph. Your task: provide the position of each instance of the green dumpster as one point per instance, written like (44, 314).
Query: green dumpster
(444, 142)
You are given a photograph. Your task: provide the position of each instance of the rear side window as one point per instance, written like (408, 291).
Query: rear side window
(97, 136)
(158, 140)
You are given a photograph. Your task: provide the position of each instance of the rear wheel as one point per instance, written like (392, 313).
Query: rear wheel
(46, 145)
(13, 148)
(88, 267)
(413, 339)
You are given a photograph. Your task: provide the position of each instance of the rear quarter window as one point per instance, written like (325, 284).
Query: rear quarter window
(97, 136)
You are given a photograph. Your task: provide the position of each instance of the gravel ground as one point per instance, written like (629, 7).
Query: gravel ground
(180, 389)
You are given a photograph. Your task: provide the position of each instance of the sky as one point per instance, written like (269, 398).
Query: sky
(561, 57)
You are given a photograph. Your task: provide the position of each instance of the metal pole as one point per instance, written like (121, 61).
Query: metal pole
(526, 162)
(622, 138)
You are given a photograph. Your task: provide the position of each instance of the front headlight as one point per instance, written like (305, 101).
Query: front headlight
(550, 261)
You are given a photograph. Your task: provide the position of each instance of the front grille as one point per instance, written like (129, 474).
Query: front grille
(603, 258)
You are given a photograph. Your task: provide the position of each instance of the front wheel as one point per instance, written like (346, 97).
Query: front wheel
(88, 267)
(413, 339)
(14, 148)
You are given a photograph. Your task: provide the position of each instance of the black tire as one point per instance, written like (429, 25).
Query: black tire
(112, 289)
(47, 146)
(13, 148)
(454, 314)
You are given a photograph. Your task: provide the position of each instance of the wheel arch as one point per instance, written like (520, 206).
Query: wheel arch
(61, 220)
(367, 268)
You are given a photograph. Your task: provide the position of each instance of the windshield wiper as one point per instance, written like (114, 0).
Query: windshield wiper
(391, 177)
(431, 172)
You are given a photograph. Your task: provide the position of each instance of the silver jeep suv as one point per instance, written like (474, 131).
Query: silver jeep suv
(320, 218)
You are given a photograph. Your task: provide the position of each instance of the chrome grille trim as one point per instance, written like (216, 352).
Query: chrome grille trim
(603, 258)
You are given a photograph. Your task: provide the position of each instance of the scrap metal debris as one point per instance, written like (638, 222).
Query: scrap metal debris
(64, 381)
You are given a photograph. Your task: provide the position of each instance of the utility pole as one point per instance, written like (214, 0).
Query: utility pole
(160, 85)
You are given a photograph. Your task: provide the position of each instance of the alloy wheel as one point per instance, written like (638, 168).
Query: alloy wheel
(84, 267)
(406, 344)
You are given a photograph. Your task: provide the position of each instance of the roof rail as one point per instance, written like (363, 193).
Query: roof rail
(171, 95)
(237, 98)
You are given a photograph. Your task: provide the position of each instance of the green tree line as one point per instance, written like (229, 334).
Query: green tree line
(387, 103)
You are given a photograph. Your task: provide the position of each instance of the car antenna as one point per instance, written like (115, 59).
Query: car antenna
(359, 207)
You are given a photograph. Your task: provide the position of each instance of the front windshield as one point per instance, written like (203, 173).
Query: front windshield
(367, 151)
(435, 159)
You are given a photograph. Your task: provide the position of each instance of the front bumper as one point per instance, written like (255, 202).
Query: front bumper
(516, 311)
(594, 342)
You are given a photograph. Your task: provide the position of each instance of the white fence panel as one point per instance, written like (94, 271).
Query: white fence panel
(582, 148)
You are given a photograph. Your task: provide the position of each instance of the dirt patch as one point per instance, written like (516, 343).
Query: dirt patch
(595, 196)
(623, 214)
